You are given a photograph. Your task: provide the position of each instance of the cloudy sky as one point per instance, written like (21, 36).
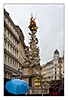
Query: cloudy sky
(50, 22)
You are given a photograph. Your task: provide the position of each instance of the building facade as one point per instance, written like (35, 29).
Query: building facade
(54, 70)
(13, 48)
(21, 50)
(43, 71)
(45, 84)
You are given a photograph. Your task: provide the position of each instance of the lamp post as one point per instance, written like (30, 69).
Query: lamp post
(19, 73)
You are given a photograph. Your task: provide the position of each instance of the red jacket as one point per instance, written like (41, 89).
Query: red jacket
(54, 93)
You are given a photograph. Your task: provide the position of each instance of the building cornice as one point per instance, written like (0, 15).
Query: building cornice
(12, 56)
(10, 68)
(7, 14)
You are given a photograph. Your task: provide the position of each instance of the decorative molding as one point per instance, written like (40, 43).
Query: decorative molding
(12, 56)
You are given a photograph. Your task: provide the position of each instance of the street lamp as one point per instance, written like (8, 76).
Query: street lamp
(19, 73)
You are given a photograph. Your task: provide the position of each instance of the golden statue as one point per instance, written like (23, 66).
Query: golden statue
(32, 25)
(37, 81)
(30, 71)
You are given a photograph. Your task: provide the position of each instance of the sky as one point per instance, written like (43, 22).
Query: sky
(50, 22)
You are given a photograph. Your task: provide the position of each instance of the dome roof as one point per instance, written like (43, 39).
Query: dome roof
(56, 52)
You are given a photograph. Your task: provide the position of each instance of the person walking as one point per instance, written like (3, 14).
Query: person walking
(54, 91)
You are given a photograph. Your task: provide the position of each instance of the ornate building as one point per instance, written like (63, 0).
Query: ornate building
(14, 47)
(45, 84)
(54, 70)
(11, 41)
(43, 71)
(21, 50)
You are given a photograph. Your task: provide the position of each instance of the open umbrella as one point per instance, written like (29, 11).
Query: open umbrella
(17, 86)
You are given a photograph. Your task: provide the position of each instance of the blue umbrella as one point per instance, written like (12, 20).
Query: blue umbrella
(17, 86)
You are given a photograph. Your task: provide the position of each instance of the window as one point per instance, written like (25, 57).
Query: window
(13, 39)
(9, 23)
(14, 52)
(17, 53)
(16, 64)
(4, 17)
(55, 69)
(8, 34)
(8, 60)
(60, 73)
(6, 20)
(52, 77)
(5, 30)
(16, 32)
(5, 59)
(55, 77)
(16, 43)
(55, 64)
(5, 44)
(8, 46)
(60, 70)
(13, 63)
(55, 73)
(13, 29)
(11, 49)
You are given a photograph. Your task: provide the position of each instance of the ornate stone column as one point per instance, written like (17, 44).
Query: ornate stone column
(32, 60)
(35, 68)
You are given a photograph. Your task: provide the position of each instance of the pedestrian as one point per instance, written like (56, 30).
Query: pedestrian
(61, 87)
(54, 91)
(50, 89)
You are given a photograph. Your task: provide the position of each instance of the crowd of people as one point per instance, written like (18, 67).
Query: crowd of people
(56, 90)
